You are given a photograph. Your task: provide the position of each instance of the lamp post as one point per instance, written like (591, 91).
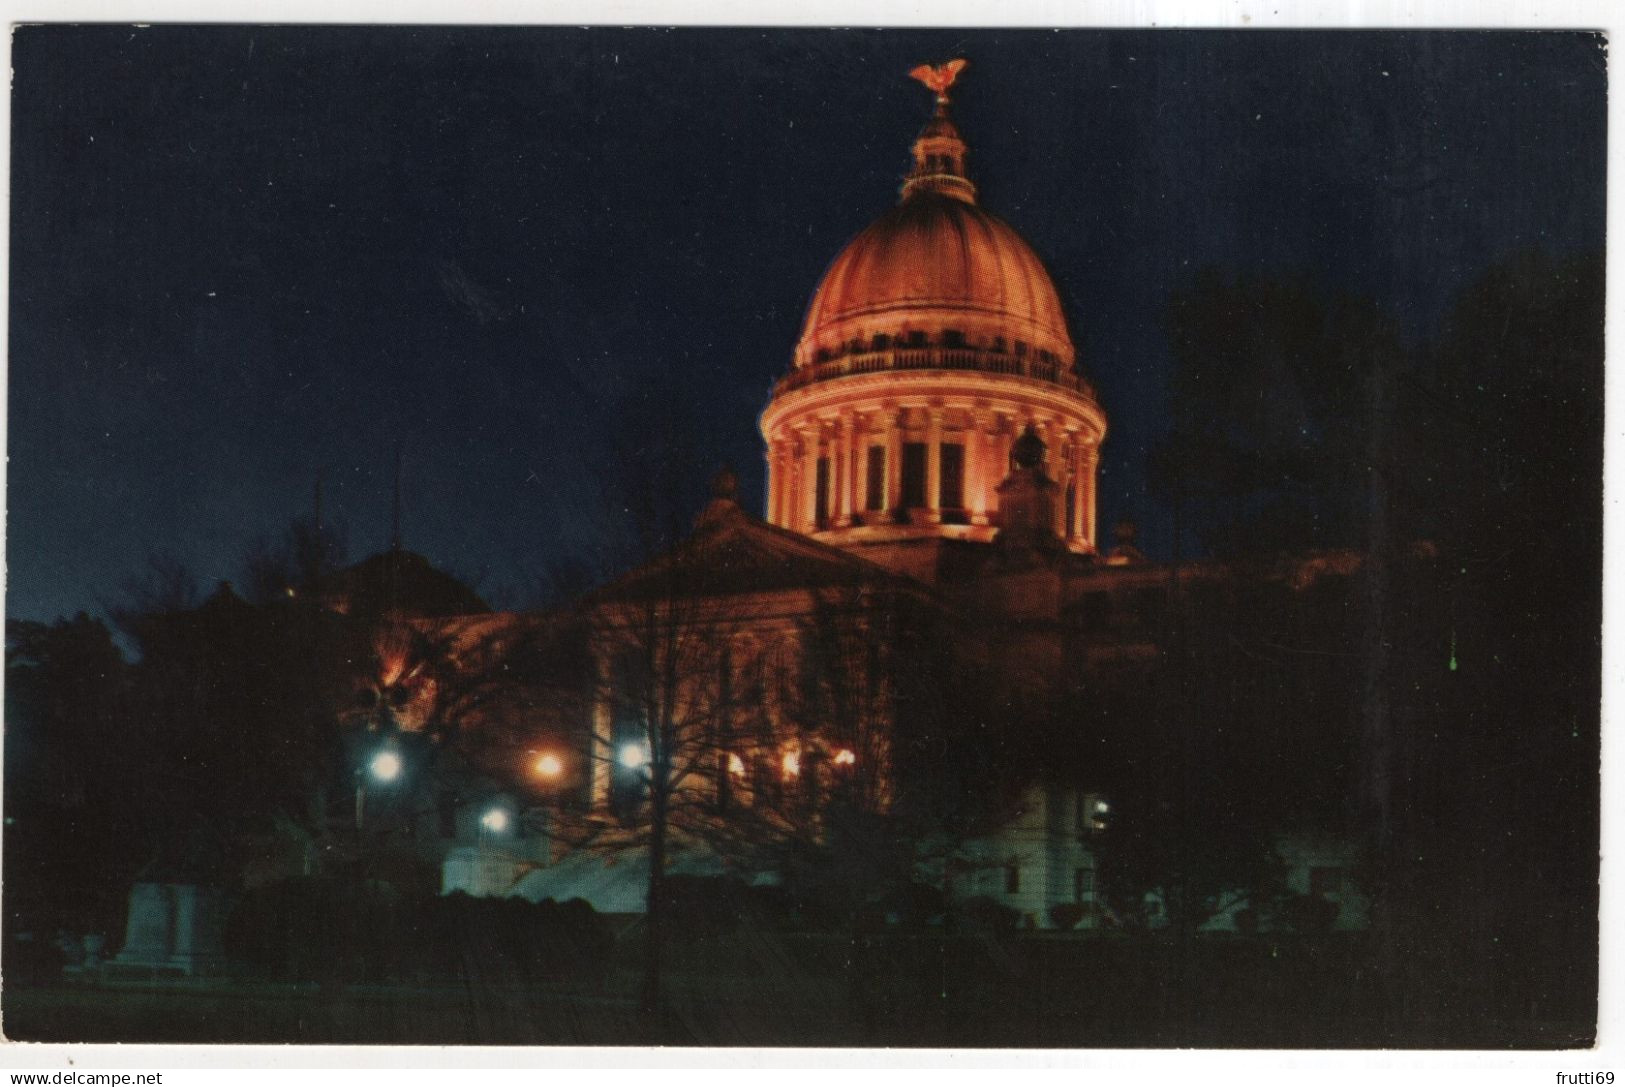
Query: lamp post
(384, 767)
(547, 768)
(494, 821)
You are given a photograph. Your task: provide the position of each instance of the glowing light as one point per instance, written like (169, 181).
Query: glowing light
(385, 766)
(736, 766)
(792, 764)
(549, 766)
(843, 757)
(633, 756)
(1101, 807)
(495, 820)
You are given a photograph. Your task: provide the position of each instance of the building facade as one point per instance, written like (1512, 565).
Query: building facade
(929, 567)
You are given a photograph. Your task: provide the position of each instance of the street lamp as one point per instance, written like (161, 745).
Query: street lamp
(384, 767)
(548, 766)
(634, 756)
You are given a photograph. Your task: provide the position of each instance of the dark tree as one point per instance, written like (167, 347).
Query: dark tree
(1274, 395)
(1484, 775)
(70, 806)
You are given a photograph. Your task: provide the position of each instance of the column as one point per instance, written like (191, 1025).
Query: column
(933, 467)
(978, 492)
(856, 455)
(787, 481)
(894, 461)
(1055, 468)
(834, 501)
(1091, 465)
(1075, 529)
(775, 480)
(809, 478)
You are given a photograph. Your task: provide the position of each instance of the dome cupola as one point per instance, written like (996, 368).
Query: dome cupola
(934, 339)
(937, 270)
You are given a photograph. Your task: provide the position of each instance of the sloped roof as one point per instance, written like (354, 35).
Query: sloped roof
(611, 882)
(732, 552)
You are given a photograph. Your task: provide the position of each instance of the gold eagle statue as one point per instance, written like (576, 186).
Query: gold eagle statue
(939, 77)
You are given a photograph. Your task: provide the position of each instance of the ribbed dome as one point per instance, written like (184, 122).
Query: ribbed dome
(939, 266)
(934, 339)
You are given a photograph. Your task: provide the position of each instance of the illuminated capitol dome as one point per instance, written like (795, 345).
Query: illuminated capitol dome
(934, 341)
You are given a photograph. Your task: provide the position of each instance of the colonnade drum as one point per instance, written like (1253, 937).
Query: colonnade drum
(853, 466)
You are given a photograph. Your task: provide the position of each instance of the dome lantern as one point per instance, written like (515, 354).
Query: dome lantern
(939, 153)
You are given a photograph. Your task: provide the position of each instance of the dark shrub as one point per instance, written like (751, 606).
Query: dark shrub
(1309, 914)
(914, 905)
(698, 906)
(511, 940)
(320, 929)
(771, 904)
(1066, 915)
(32, 960)
(984, 914)
(1247, 921)
(323, 930)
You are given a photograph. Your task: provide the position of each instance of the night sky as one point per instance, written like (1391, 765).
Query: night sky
(245, 256)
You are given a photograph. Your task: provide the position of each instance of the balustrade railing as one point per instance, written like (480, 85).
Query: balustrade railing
(934, 358)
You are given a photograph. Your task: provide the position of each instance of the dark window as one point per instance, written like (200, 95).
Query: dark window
(1071, 507)
(1021, 348)
(913, 475)
(998, 344)
(875, 499)
(1012, 879)
(952, 337)
(952, 493)
(916, 338)
(881, 341)
(821, 495)
(874, 664)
